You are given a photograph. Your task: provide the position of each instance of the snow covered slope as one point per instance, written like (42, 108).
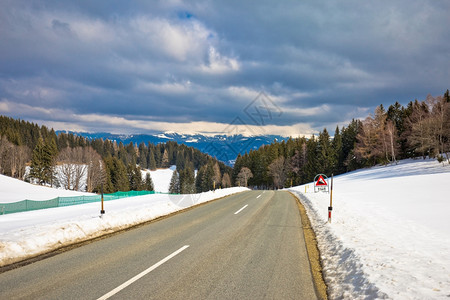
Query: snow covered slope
(161, 178)
(390, 231)
(13, 190)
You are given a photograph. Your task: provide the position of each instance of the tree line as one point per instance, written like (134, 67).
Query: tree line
(65, 159)
(421, 129)
(210, 176)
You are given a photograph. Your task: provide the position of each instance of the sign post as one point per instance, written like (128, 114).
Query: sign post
(330, 208)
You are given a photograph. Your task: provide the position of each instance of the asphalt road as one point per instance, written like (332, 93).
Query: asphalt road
(246, 246)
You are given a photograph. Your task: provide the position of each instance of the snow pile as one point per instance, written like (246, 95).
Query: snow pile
(389, 236)
(31, 233)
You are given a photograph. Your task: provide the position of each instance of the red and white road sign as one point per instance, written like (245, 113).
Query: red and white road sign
(321, 181)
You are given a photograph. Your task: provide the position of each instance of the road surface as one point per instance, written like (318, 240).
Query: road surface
(246, 246)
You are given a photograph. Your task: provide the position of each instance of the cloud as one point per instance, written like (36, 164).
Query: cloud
(218, 64)
(181, 65)
(67, 120)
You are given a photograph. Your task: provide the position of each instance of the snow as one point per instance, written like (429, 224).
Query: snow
(14, 190)
(163, 136)
(192, 140)
(161, 178)
(27, 234)
(390, 231)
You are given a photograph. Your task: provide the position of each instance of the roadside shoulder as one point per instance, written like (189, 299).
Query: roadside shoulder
(313, 252)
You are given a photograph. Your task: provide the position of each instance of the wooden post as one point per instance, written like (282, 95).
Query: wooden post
(102, 211)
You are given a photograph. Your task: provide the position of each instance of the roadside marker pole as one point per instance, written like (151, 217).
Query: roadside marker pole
(330, 208)
(102, 211)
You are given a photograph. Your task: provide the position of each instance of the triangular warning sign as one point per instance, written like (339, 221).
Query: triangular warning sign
(321, 181)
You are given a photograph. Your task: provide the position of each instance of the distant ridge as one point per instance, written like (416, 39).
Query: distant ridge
(224, 147)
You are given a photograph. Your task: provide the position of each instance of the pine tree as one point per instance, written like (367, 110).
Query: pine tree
(151, 160)
(117, 174)
(239, 163)
(199, 179)
(143, 154)
(148, 185)
(349, 140)
(208, 178)
(165, 159)
(180, 162)
(338, 152)
(326, 155)
(174, 187)
(312, 166)
(187, 181)
(135, 177)
(42, 163)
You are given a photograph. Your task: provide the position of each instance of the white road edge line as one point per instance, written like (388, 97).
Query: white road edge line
(258, 196)
(142, 274)
(241, 209)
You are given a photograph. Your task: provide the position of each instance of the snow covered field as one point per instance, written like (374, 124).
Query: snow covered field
(161, 178)
(14, 190)
(390, 231)
(30, 233)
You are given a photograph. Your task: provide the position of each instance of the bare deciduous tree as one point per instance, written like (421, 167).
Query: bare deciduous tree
(217, 176)
(80, 167)
(226, 181)
(440, 113)
(244, 175)
(377, 138)
(420, 133)
(66, 168)
(13, 158)
(96, 170)
(391, 134)
(77, 164)
(368, 146)
(278, 170)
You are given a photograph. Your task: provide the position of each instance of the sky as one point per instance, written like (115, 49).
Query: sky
(289, 68)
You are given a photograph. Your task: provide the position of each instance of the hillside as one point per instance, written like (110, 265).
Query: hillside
(389, 233)
(13, 190)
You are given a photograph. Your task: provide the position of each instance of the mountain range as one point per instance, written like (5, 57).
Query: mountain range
(224, 147)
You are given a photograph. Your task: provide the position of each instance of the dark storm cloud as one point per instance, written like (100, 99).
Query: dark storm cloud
(323, 62)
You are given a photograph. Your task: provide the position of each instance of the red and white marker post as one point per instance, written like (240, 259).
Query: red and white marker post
(330, 208)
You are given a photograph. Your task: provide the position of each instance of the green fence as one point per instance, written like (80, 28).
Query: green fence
(27, 205)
